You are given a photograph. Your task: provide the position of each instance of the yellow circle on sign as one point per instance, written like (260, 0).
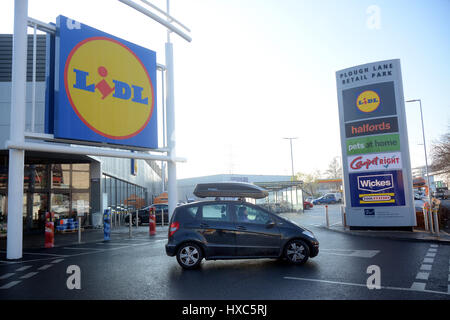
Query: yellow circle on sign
(109, 88)
(368, 101)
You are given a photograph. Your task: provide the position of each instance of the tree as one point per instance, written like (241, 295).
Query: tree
(334, 170)
(440, 154)
(310, 184)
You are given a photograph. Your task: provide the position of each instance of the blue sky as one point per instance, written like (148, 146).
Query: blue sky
(257, 71)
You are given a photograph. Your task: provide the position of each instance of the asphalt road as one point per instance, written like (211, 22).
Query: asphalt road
(138, 269)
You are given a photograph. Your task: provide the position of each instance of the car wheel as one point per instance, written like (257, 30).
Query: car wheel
(134, 221)
(296, 252)
(189, 256)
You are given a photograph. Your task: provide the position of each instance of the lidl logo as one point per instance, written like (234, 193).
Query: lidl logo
(105, 89)
(113, 99)
(368, 101)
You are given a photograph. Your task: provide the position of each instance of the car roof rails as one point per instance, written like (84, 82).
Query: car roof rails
(230, 189)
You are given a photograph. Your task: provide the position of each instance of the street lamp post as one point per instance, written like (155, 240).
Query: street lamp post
(292, 166)
(425, 149)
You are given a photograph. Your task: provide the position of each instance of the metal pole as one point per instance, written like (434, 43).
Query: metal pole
(137, 220)
(326, 214)
(436, 221)
(425, 219)
(129, 224)
(17, 129)
(430, 219)
(79, 229)
(172, 169)
(33, 97)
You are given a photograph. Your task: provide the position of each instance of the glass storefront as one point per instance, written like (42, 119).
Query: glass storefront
(122, 195)
(61, 188)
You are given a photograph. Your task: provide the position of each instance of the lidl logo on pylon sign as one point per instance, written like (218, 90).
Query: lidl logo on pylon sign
(368, 101)
(106, 88)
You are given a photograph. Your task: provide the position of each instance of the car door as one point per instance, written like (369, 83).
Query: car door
(258, 235)
(218, 230)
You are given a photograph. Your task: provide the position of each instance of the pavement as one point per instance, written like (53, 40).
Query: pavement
(416, 235)
(37, 240)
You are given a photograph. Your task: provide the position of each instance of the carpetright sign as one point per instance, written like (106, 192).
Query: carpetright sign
(375, 153)
(105, 88)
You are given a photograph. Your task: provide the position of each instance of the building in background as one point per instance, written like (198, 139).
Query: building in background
(284, 195)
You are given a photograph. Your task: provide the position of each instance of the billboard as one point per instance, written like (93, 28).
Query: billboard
(376, 166)
(105, 88)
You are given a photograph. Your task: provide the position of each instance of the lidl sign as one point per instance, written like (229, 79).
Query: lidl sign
(106, 88)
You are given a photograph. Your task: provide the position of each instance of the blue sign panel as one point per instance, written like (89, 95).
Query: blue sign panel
(106, 88)
(377, 188)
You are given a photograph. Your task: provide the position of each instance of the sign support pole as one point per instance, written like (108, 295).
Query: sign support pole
(17, 129)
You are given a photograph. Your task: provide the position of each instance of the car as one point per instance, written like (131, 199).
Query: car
(214, 230)
(144, 214)
(326, 199)
(307, 205)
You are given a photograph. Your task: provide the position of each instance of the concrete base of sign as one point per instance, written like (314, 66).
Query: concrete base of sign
(411, 229)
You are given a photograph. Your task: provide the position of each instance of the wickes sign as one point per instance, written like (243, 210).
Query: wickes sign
(377, 170)
(106, 88)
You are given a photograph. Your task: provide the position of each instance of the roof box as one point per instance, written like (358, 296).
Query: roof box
(230, 189)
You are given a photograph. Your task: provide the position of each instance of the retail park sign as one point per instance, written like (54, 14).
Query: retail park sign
(377, 170)
(104, 89)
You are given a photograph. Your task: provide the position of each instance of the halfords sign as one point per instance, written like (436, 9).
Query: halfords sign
(377, 175)
(106, 88)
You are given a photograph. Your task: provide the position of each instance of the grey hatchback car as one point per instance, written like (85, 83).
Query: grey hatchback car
(228, 229)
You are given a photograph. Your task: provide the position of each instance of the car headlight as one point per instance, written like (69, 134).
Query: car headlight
(308, 233)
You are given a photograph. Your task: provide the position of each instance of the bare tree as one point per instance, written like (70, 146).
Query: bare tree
(334, 170)
(440, 154)
(310, 182)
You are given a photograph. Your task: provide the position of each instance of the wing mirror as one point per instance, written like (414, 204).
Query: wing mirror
(270, 224)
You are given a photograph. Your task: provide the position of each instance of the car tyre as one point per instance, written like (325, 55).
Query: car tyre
(134, 221)
(296, 252)
(189, 256)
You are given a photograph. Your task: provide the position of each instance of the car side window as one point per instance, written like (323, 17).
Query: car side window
(215, 212)
(252, 215)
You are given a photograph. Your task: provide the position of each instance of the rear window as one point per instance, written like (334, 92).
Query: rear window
(186, 214)
(215, 212)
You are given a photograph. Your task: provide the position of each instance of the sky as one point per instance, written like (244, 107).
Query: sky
(260, 71)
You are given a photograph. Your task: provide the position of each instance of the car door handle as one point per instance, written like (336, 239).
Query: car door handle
(241, 228)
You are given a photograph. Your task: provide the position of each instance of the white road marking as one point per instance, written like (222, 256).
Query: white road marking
(418, 286)
(45, 267)
(431, 255)
(23, 268)
(57, 261)
(428, 260)
(72, 248)
(434, 245)
(351, 253)
(37, 254)
(364, 285)
(7, 275)
(422, 276)
(29, 275)
(10, 284)
(432, 250)
(425, 267)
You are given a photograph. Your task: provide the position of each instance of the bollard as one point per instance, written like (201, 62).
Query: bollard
(152, 222)
(326, 214)
(425, 218)
(436, 221)
(49, 230)
(106, 224)
(430, 219)
(162, 217)
(129, 224)
(79, 229)
(137, 219)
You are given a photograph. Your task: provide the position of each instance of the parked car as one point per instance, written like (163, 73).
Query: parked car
(307, 205)
(329, 198)
(144, 214)
(216, 230)
(442, 193)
